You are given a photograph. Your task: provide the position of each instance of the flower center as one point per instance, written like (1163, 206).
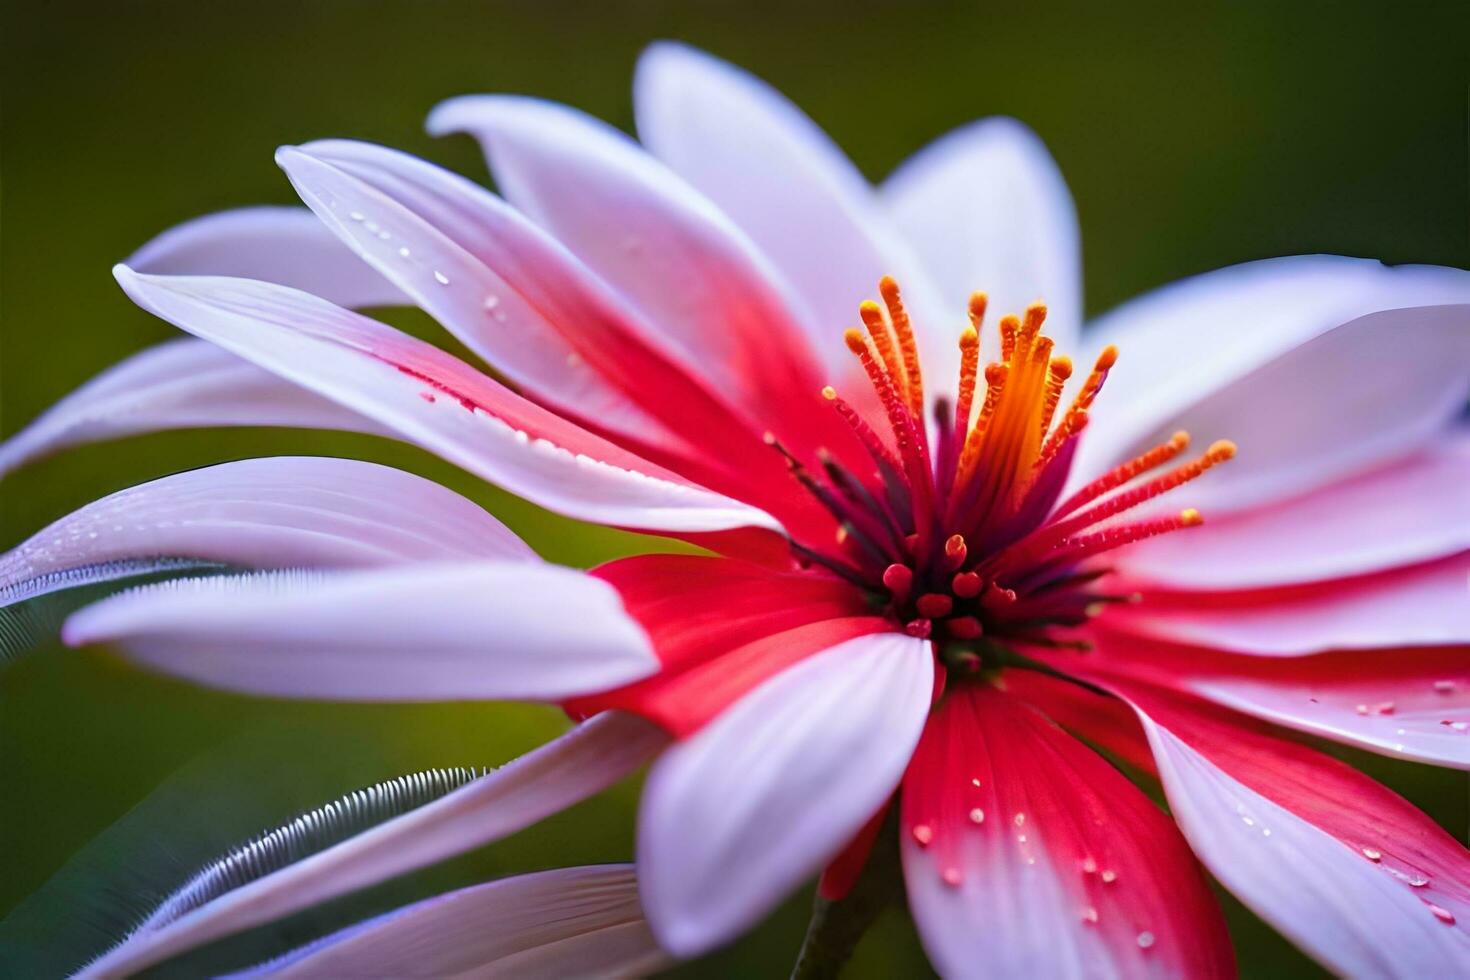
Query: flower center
(958, 531)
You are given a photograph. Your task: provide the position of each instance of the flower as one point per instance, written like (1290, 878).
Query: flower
(943, 559)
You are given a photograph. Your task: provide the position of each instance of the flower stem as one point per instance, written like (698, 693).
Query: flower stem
(836, 927)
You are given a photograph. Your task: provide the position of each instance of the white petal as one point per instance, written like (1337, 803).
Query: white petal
(568, 922)
(424, 632)
(1414, 509)
(663, 246)
(280, 512)
(283, 245)
(986, 208)
(469, 260)
(743, 811)
(574, 767)
(1284, 357)
(1319, 892)
(436, 401)
(180, 384)
(789, 187)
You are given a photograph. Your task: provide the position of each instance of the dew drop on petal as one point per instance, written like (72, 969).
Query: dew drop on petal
(1372, 854)
(977, 815)
(403, 251)
(1089, 866)
(1361, 709)
(1145, 940)
(1444, 687)
(923, 834)
(356, 216)
(1109, 876)
(952, 877)
(1089, 914)
(1442, 914)
(441, 278)
(1020, 820)
(975, 782)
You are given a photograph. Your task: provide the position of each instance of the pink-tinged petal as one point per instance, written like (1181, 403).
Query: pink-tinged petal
(423, 632)
(284, 245)
(789, 188)
(986, 208)
(569, 922)
(1412, 510)
(438, 401)
(675, 257)
(1027, 854)
(576, 766)
(1322, 342)
(1344, 867)
(1412, 703)
(430, 233)
(180, 384)
(739, 814)
(280, 512)
(1422, 605)
(1347, 870)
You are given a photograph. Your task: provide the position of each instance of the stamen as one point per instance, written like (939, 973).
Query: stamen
(1116, 477)
(905, 430)
(1058, 372)
(995, 380)
(1009, 326)
(1071, 423)
(904, 331)
(1116, 537)
(865, 432)
(969, 367)
(872, 316)
(1218, 453)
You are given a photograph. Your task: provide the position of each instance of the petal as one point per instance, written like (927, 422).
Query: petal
(986, 208)
(788, 187)
(180, 384)
(429, 232)
(437, 401)
(569, 922)
(1406, 512)
(1026, 854)
(1411, 703)
(768, 792)
(673, 255)
(1423, 605)
(425, 632)
(284, 245)
(1374, 888)
(574, 767)
(292, 511)
(1325, 343)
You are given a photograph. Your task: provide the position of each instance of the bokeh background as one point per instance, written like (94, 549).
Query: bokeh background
(1193, 136)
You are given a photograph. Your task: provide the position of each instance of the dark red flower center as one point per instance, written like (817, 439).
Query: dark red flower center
(958, 531)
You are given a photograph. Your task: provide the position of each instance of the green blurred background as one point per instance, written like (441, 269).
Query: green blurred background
(1191, 138)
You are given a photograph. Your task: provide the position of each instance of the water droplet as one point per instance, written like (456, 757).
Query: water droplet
(977, 815)
(975, 782)
(1383, 708)
(1459, 726)
(403, 251)
(428, 396)
(1089, 914)
(923, 834)
(1145, 940)
(1020, 838)
(1247, 821)
(952, 877)
(1020, 820)
(1361, 709)
(1444, 687)
(1109, 876)
(1265, 831)
(385, 234)
(1089, 866)
(1442, 914)
(441, 278)
(1372, 854)
(356, 216)
(491, 302)
(372, 226)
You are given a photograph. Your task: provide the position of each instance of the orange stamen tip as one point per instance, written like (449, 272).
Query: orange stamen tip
(870, 311)
(1221, 451)
(979, 302)
(854, 340)
(1107, 358)
(1035, 316)
(1061, 367)
(888, 286)
(1179, 440)
(829, 393)
(995, 373)
(969, 339)
(1010, 322)
(1190, 517)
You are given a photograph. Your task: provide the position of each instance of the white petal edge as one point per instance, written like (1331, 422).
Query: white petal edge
(421, 632)
(285, 245)
(567, 922)
(179, 384)
(986, 208)
(347, 358)
(1317, 891)
(736, 816)
(572, 768)
(276, 512)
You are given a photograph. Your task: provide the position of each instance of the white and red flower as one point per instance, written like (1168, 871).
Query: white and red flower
(941, 560)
